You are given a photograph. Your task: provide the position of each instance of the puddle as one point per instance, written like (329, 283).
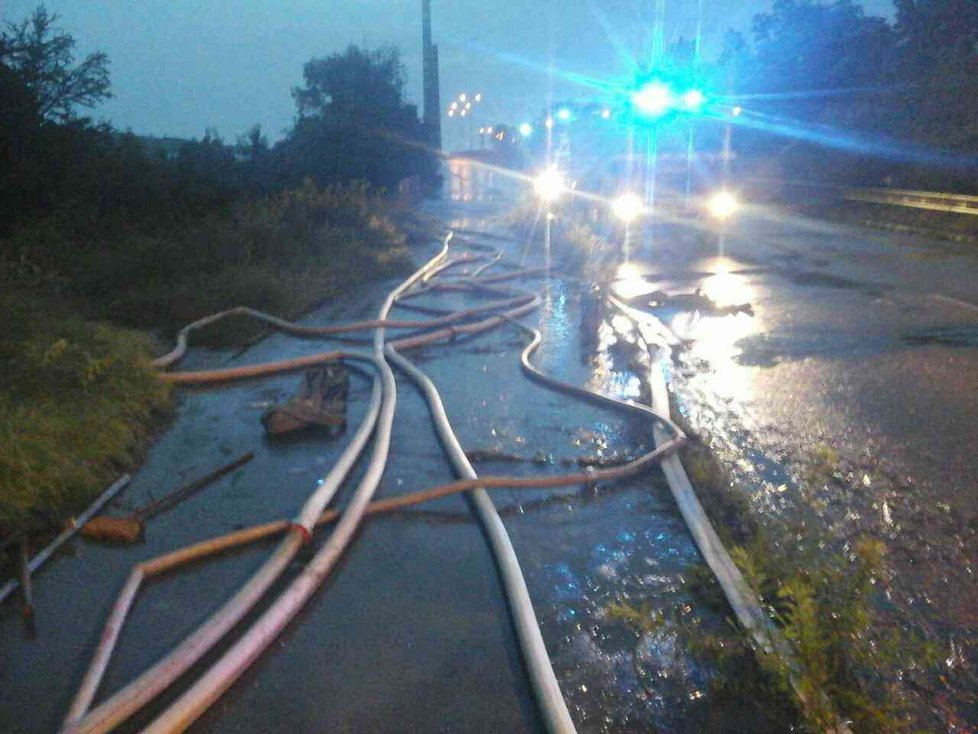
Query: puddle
(946, 336)
(827, 280)
(770, 350)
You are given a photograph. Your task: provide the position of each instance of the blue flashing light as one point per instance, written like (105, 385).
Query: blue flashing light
(654, 99)
(693, 100)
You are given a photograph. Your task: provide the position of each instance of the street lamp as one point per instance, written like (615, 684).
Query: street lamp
(693, 100)
(465, 105)
(627, 208)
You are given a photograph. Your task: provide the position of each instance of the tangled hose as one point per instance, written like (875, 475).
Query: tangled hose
(161, 675)
(447, 326)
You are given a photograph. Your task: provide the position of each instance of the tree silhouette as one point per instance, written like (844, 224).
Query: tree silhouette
(43, 58)
(353, 122)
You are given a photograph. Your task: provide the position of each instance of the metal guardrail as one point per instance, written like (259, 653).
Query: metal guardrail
(934, 201)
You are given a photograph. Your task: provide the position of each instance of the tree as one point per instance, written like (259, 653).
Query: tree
(253, 145)
(938, 47)
(806, 45)
(938, 32)
(361, 86)
(43, 59)
(353, 122)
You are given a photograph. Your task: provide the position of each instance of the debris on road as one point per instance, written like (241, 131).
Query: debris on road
(131, 529)
(41, 558)
(320, 403)
(697, 301)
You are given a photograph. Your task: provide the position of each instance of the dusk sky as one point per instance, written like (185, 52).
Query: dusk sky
(179, 66)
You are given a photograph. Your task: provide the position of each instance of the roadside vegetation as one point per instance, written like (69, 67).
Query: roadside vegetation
(826, 601)
(106, 233)
(77, 407)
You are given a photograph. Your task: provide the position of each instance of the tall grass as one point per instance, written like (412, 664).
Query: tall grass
(283, 253)
(77, 404)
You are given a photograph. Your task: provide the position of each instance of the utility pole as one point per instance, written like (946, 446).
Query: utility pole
(432, 92)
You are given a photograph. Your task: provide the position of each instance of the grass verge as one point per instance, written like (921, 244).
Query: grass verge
(78, 405)
(826, 603)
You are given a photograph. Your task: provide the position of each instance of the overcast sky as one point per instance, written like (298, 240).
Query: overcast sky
(179, 66)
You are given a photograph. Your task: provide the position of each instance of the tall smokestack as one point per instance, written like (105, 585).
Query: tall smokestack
(432, 94)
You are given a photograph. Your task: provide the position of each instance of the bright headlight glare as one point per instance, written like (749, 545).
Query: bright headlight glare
(722, 204)
(549, 185)
(628, 207)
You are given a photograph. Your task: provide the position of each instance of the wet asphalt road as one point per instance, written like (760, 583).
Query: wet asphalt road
(411, 633)
(862, 346)
(858, 340)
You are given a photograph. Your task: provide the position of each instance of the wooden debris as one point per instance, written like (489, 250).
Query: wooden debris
(320, 403)
(128, 530)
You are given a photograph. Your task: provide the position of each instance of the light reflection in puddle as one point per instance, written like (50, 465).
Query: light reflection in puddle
(607, 376)
(715, 342)
(715, 385)
(728, 289)
(630, 282)
(713, 339)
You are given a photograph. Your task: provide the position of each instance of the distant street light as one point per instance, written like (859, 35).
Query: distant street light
(465, 105)
(548, 186)
(526, 129)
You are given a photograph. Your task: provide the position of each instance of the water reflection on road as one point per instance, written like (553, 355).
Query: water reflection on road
(469, 180)
(412, 632)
